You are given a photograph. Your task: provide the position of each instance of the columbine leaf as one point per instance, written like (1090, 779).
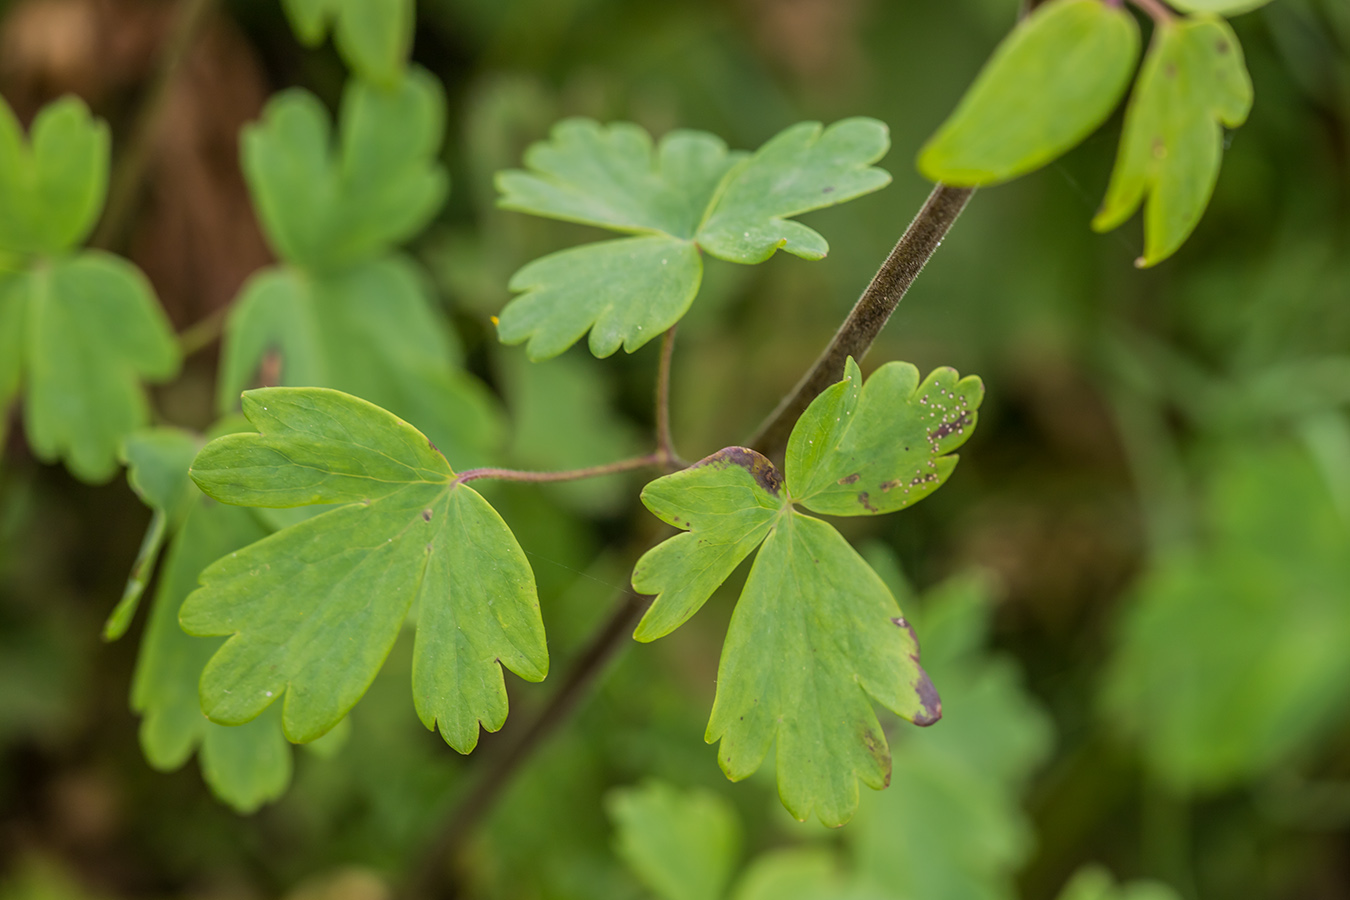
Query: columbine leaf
(315, 608)
(93, 331)
(1193, 83)
(247, 765)
(52, 191)
(373, 36)
(368, 330)
(592, 288)
(610, 176)
(803, 168)
(383, 186)
(816, 636)
(726, 504)
(157, 462)
(686, 195)
(1049, 84)
(865, 450)
(682, 844)
(952, 824)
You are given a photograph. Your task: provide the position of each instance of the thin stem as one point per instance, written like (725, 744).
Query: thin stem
(204, 332)
(1156, 9)
(623, 465)
(665, 445)
(430, 880)
(129, 175)
(915, 247)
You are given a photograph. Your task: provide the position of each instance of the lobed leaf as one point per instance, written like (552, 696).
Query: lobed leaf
(866, 450)
(373, 36)
(92, 332)
(816, 636)
(368, 330)
(801, 873)
(52, 190)
(1051, 82)
(726, 505)
(803, 168)
(590, 288)
(1094, 882)
(248, 765)
(686, 195)
(1192, 84)
(325, 208)
(314, 609)
(683, 845)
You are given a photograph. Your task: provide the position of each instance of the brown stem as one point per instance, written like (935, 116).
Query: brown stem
(129, 174)
(624, 465)
(431, 879)
(915, 247)
(665, 445)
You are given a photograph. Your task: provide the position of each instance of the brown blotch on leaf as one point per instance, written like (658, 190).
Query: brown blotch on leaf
(866, 501)
(849, 479)
(947, 428)
(890, 485)
(761, 469)
(426, 515)
(929, 701)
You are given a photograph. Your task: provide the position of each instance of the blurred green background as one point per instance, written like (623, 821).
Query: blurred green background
(1143, 655)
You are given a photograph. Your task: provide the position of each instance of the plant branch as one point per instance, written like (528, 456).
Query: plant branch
(915, 247)
(1156, 9)
(655, 458)
(204, 332)
(665, 445)
(429, 881)
(129, 174)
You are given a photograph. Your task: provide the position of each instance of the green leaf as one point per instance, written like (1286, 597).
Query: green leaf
(951, 824)
(52, 191)
(369, 330)
(816, 636)
(1093, 882)
(726, 504)
(880, 448)
(1048, 85)
(807, 873)
(92, 331)
(1193, 83)
(373, 36)
(326, 209)
(804, 167)
(682, 844)
(1208, 714)
(684, 196)
(591, 288)
(157, 462)
(1218, 7)
(248, 765)
(13, 336)
(314, 609)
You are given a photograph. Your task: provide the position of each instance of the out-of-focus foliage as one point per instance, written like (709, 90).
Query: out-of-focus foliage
(1120, 403)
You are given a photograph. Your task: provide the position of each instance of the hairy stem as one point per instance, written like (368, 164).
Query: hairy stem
(431, 881)
(125, 185)
(915, 247)
(656, 458)
(665, 445)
